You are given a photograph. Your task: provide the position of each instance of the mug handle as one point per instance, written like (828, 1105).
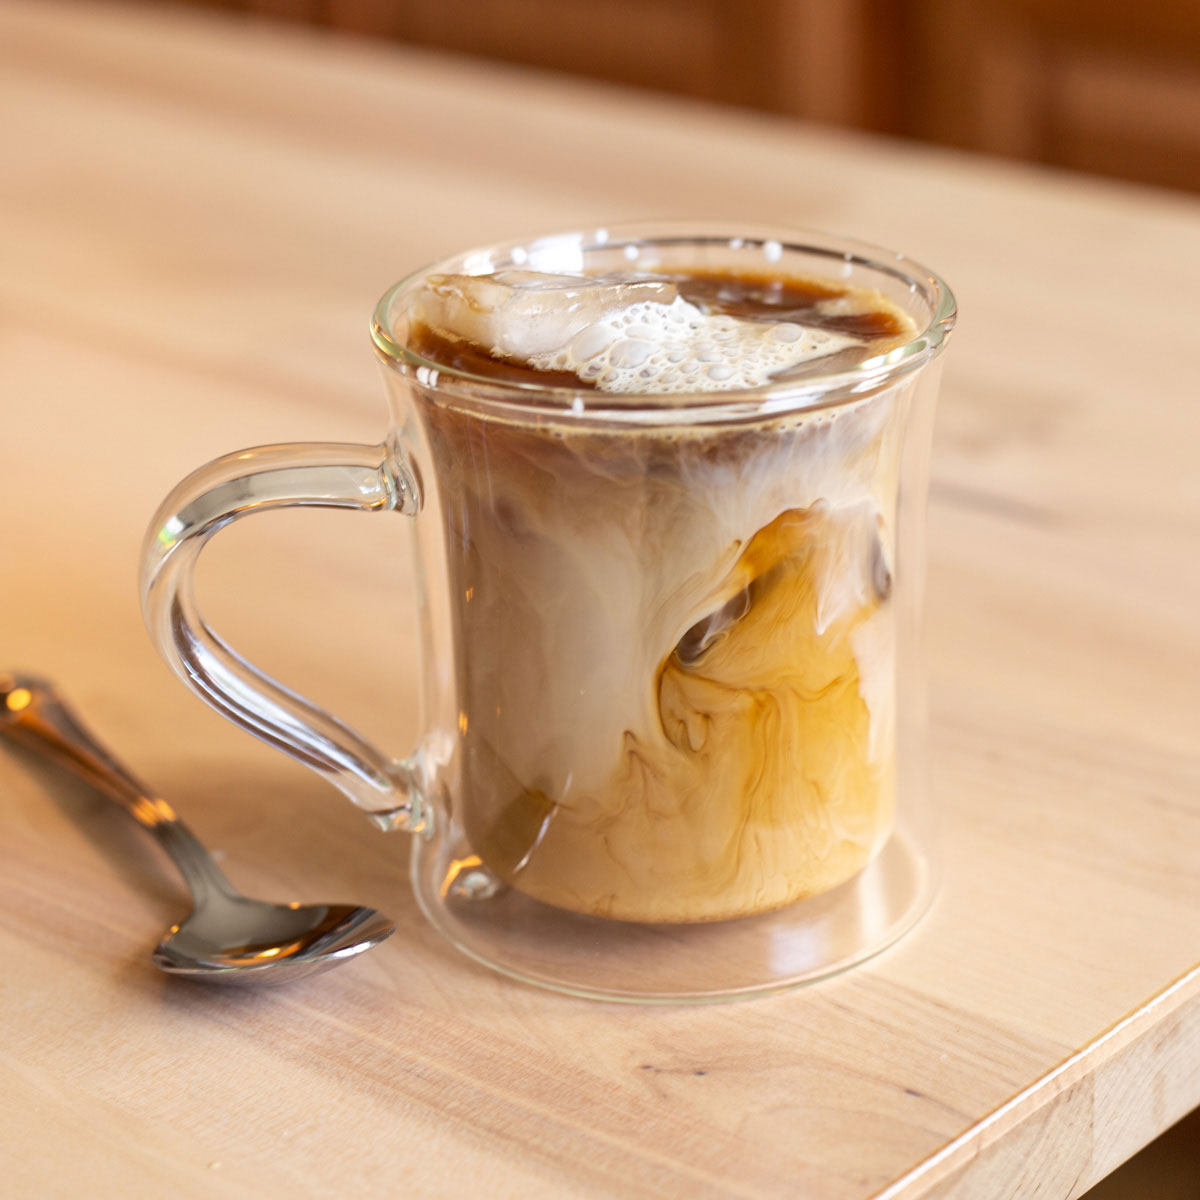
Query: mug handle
(393, 792)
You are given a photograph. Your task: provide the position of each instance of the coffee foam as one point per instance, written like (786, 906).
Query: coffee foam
(671, 348)
(620, 333)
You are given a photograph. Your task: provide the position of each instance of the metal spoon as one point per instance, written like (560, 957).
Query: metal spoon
(227, 938)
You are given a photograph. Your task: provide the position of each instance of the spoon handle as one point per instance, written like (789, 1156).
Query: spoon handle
(35, 715)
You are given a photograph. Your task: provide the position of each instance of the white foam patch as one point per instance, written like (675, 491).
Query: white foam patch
(676, 347)
(623, 334)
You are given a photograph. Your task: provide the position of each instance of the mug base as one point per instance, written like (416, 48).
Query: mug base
(669, 964)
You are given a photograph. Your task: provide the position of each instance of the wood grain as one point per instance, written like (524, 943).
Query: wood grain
(195, 218)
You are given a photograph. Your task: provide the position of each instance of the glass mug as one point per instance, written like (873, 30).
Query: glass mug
(673, 690)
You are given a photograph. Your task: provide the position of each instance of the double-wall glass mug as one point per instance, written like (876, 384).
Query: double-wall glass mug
(673, 689)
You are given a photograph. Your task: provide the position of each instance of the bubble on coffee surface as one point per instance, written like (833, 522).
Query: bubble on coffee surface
(619, 333)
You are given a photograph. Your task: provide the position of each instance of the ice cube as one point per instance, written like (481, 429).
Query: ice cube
(521, 314)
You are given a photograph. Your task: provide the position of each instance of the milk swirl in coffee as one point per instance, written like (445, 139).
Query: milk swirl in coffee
(673, 643)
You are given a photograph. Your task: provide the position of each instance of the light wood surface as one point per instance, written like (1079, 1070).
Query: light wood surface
(195, 219)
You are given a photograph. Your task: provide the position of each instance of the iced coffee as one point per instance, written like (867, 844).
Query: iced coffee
(673, 642)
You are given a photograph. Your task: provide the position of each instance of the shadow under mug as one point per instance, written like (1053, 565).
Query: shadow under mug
(673, 684)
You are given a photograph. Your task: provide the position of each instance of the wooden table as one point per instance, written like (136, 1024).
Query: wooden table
(195, 217)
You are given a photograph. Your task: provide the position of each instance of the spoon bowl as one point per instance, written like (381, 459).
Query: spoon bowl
(250, 941)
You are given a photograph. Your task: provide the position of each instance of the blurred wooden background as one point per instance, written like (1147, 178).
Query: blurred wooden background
(1107, 86)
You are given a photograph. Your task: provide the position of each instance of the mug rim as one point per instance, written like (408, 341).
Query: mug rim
(815, 390)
